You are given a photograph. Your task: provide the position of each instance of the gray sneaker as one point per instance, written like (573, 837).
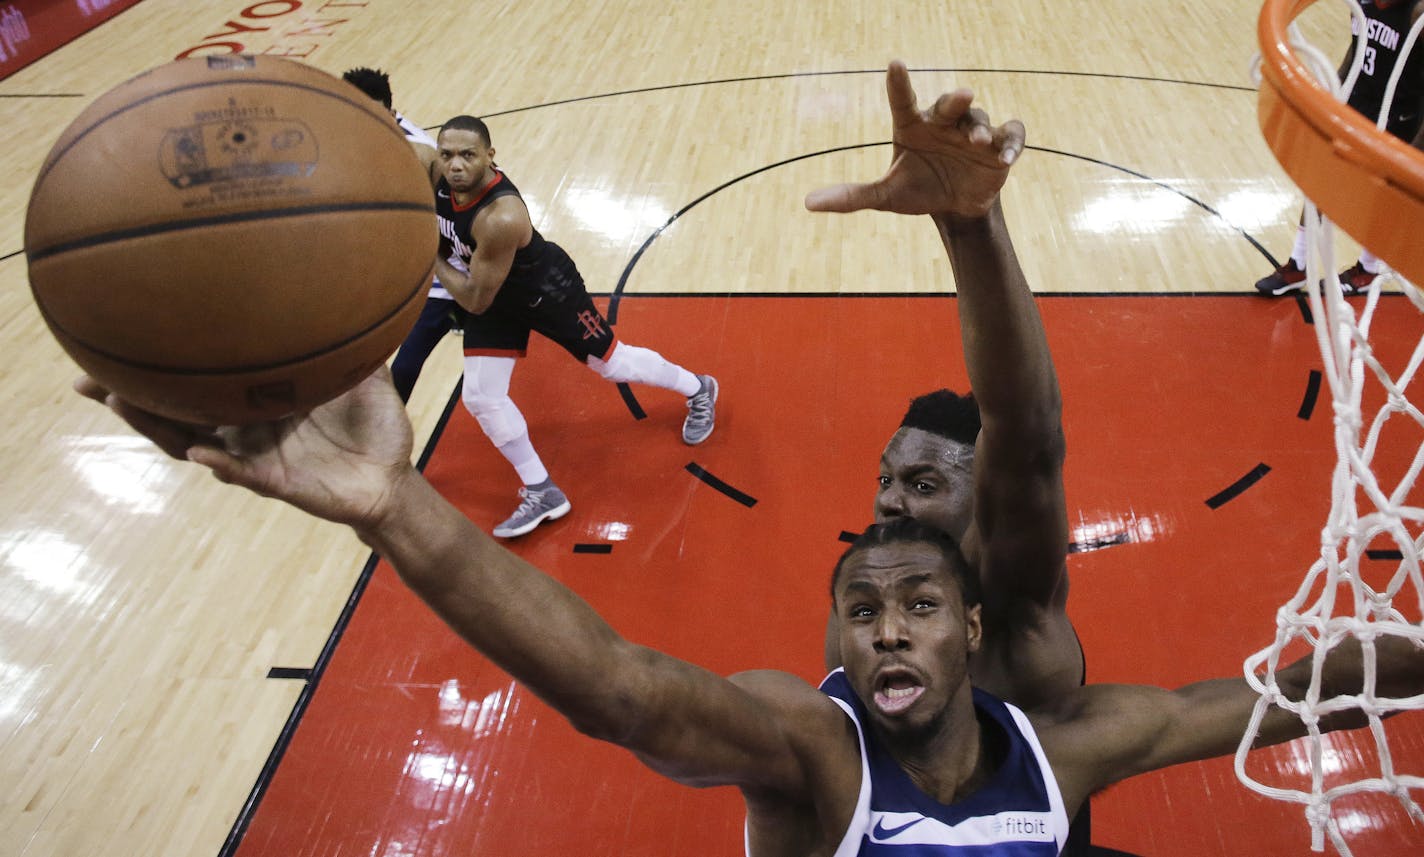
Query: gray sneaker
(535, 507)
(701, 412)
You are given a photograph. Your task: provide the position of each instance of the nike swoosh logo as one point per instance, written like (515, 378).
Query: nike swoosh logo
(442, 194)
(880, 832)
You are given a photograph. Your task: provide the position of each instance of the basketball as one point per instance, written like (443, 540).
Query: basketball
(226, 240)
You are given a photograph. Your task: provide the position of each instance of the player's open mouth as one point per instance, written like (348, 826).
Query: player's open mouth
(896, 692)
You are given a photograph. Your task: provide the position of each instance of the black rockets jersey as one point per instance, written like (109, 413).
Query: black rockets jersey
(1386, 29)
(531, 262)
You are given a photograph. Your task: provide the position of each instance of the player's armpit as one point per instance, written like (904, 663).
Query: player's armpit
(763, 731)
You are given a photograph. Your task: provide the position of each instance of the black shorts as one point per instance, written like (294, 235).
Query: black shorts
(554, 304)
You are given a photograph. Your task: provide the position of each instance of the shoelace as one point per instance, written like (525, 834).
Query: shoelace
(531, 501)
(701, 406)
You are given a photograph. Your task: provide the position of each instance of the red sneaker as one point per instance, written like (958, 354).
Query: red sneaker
(1287, 278)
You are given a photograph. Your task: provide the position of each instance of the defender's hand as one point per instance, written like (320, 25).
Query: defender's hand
(947, 160)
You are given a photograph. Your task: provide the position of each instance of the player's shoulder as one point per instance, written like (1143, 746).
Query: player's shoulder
(779, 685)
(504, 215)
(817, 730)
(791, 696)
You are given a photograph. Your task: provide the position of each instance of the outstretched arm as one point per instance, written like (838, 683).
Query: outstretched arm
(950, 162)
(349, 461)
(1106, 733)
(1020, 513)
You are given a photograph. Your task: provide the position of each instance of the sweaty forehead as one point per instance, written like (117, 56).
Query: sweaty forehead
(917, 448)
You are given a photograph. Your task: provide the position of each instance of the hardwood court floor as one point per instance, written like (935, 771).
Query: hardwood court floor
(151, 622)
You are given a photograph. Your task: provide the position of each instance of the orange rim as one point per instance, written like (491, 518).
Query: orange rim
(1366, 181)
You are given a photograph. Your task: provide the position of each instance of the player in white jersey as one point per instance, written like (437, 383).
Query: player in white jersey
(912, 767)
(438, 315)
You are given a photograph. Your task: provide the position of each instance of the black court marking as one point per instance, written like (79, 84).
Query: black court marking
(617, 295)
(648, 242)
(12, 255)
(847, 536)
(603, 547)
(1164, 186)
(1232, 491)
(847, 72)
(1312, 392)
(318, 669)
(289, 672)
(1046, 296)
(440, 424)
(1385, 554)
(616, 298)
(299, 708)
(1303, 304)
(630, 399)
(745, 499)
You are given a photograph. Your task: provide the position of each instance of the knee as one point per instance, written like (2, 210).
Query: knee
(497, 415)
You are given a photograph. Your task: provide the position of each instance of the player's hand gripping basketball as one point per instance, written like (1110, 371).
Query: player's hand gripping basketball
(341, 461)
(947, 159)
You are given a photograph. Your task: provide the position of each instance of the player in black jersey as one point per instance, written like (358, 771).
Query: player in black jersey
(1387, 24)
(510, 280)
(437, 317)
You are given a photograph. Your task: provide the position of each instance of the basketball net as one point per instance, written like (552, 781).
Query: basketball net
(1335, 602)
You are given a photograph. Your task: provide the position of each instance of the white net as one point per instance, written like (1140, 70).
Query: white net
(1371, 517)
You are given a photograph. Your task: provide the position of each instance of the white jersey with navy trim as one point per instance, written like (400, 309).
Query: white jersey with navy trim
(414, 132)
(1018, 813)
(417, 134)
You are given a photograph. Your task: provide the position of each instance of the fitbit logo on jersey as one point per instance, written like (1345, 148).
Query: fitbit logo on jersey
(1021, 825)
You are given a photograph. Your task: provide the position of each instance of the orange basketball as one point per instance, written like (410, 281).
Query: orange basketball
(231, 239)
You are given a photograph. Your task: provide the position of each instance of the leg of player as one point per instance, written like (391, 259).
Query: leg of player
(1289, 277)
(630, 364)
(433, 324)
(486, 396)
(1357, 279)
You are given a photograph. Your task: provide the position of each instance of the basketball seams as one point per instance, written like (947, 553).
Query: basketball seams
(117, 235)
(364, 109)
(415, 293)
